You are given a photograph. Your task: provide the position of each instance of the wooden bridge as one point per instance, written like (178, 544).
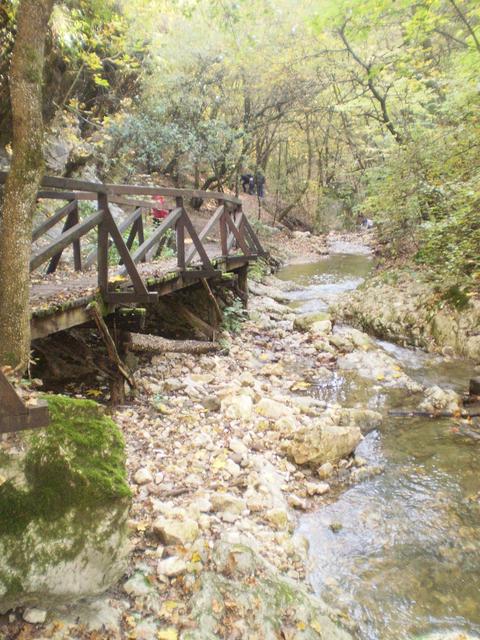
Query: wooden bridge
(119, 263)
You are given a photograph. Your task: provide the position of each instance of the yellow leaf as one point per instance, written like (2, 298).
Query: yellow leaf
(301, 626)
(297, 386)
(219, 463)
(168, 606)
(130, 621)
(162, 408)
(196, 557)
(168, 634)
(118, 278)
(264, 357)
(93, 392)
(316, 626)
(380, 376)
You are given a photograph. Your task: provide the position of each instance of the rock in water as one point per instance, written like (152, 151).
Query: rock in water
(319, 443)
(437, 399)
(307, 321)
(63, 509)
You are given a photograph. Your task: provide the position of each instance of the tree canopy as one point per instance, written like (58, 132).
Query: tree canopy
(371, 105)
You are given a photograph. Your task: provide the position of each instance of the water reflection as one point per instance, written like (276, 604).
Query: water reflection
(399, 552)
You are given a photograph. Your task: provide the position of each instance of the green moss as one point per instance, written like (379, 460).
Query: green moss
(457, 298)
(78, 460)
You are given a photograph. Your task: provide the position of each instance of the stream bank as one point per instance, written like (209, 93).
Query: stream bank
(405, 307)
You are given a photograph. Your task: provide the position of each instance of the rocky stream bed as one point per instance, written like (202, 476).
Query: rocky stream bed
(259, 472)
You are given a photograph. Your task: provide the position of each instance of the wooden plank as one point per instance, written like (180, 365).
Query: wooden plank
(238, 236)
(224, 234)
(128, 261)
(102, 248)
(155, 237)
(77, 253)
(240, 222)
(195, 321)
(197, 274)
(71, 221)
(132, 235)
(52, 221)
(65, 239)
(110, 344)
(59, 321)
(10, 402)
(92, 257)
(114, 297)
(216, 306)
(204, 233)
(128, 189)
(35, 418)
(261, 251)
(141, 236)
(180, 229)
(85, 196)
(197, 242)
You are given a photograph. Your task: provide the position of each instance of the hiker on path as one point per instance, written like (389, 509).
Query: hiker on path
(260, 180)
(246, 182)
(159, 213)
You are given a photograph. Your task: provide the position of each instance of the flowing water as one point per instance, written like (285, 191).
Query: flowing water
(399, 552)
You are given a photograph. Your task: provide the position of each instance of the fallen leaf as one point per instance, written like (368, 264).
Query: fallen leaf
(168, 634)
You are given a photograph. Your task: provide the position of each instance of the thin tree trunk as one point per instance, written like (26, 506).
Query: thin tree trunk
(26, 79)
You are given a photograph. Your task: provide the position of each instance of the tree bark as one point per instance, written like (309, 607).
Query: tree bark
(26, 79)
(145, 343)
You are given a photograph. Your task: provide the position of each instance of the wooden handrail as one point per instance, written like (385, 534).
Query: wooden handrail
(47, 224)
(65, 239)
(91, 259)
(235, 231)
(154, 239)
(72, 184)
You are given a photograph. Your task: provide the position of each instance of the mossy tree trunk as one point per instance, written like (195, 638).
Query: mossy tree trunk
(26, 79)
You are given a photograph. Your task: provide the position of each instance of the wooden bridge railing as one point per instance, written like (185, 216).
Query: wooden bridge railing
(235, 232)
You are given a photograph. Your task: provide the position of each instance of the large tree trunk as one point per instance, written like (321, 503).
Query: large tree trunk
(26, 79)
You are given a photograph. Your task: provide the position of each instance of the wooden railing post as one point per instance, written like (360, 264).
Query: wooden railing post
(71, 221)
(77, 252)
(141, 235)
(224, 231)
(180, 230)
(102, 246)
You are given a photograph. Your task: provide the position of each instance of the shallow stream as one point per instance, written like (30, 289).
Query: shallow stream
(399, 553)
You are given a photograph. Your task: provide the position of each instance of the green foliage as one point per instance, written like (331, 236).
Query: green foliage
(233, 317)
(259, 269)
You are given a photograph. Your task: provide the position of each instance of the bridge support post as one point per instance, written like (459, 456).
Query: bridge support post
(242, 274)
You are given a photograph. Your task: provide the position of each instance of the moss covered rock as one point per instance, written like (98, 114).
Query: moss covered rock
(64, 503)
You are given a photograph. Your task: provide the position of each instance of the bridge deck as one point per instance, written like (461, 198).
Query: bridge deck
(60, 297)
(64, 288)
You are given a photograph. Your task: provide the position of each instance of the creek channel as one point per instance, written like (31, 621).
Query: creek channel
(399, 552)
